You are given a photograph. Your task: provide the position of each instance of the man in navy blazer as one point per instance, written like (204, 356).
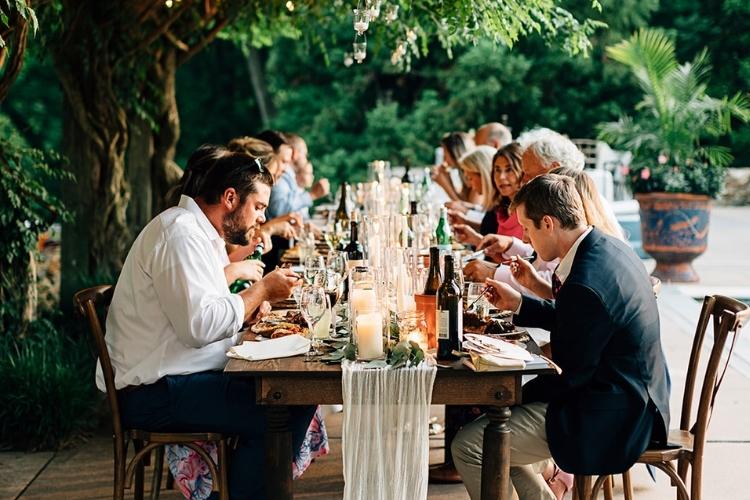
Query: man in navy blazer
(612, 398)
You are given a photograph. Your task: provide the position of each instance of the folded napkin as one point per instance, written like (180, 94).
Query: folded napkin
(283, 347)
(490, 363)
(496, 348)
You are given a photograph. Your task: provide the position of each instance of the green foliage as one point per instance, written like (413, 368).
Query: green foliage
(48, 396)
(675, 114)
(26, 210)
(419, 22)
(397, 354)
(9, 8)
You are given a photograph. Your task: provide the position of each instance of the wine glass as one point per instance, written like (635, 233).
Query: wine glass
(479, 305)
(315, 305)
(337, 262)
(297, 295)
(313, 265)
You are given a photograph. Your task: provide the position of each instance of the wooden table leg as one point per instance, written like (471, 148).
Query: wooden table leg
(278, 464)
(496, 455)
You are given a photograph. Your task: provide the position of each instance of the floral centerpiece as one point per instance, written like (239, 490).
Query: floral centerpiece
(674, 173)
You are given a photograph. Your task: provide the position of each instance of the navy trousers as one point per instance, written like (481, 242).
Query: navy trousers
(213, 402)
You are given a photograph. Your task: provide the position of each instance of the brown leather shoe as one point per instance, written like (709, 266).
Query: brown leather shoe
(444, 474)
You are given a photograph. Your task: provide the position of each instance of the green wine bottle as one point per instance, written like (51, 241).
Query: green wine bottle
(443, 236)
(239, 284)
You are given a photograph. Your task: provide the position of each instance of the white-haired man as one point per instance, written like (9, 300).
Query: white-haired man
(493, 134)
(543, 150)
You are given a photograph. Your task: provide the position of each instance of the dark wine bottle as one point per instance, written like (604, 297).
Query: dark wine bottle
(353, 249)
(240, 285)
(433, 276)
(342, 212)
(449, 314)
(406, 179)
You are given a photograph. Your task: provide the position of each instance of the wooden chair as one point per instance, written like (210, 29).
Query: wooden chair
(688, 442)
(88, 302)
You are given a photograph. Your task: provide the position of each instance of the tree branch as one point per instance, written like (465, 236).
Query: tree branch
(208, 38)
(160, 29)
(176, 41)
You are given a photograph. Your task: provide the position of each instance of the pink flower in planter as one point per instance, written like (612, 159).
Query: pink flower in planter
(662, 159)
(645, 173)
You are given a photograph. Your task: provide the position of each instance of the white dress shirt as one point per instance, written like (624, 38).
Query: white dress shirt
(566, 263)
(172, 312)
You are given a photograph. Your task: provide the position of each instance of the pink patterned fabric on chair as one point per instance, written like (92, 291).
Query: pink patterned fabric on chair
(193, 478)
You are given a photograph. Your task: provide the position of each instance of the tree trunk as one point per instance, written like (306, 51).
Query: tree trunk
(258, 81)
(110, 59)
(164, 171)
(95, 139)
(138, 173)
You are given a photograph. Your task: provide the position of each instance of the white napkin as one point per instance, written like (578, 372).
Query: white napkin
(482, 344)
(283, 347)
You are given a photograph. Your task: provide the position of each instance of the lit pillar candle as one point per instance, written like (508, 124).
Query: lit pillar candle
(364, 300)
(370, 335)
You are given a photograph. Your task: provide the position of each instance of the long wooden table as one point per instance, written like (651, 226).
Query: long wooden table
(280, 383)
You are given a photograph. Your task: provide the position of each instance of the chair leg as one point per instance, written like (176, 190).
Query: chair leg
(158, 469)
(138, 491)
(223, 472)
(627, 487)
(683, 465)
(696, 478)
(121, 452)
(609, 493)
(170, 480)
(582, 485)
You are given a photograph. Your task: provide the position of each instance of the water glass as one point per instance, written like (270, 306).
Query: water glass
(315, 305)
(313, 266)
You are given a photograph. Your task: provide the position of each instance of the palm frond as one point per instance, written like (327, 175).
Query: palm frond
(715, 155)
(650, 54)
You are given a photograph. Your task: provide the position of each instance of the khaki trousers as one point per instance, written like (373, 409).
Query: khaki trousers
(528, 449)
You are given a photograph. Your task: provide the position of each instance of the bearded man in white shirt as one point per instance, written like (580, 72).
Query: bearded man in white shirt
(172, 317)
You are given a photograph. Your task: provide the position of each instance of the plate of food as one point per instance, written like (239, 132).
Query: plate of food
(280, 324)
(493, 326)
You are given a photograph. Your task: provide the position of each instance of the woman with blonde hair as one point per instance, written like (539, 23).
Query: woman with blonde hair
(593, 205)
(454, 145)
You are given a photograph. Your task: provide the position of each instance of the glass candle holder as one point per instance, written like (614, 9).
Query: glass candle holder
(363, 296)
(412, 326)
(361, 23)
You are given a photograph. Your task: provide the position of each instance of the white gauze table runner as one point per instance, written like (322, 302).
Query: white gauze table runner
(385, 438)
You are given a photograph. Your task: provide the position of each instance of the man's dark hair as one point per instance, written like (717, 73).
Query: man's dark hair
(553, 195)
(211, 170)
(275, 138)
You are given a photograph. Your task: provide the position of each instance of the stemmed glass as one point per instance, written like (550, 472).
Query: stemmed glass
(314, 306)
(473, 300)
(313, 265)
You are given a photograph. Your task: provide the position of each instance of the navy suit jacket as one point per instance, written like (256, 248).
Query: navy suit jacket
(612, 397)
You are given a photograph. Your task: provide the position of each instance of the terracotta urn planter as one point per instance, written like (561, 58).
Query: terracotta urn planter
(674, 229)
